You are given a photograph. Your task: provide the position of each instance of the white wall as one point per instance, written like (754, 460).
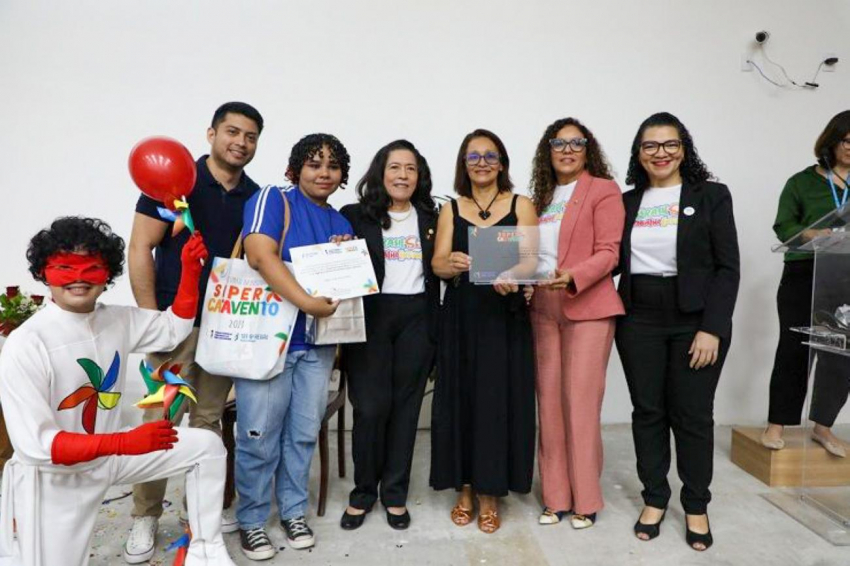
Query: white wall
(82, 81)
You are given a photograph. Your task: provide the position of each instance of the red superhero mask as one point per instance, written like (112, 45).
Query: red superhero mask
(66, 268)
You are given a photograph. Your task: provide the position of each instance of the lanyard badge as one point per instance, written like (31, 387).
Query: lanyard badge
(835, 191)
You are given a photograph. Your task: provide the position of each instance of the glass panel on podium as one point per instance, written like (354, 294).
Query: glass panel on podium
(823, 498)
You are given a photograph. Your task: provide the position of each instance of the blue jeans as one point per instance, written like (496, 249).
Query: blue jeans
(278, 425)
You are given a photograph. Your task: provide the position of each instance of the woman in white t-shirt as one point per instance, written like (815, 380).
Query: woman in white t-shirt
(679, 274)
(396, 216)
(581, 215)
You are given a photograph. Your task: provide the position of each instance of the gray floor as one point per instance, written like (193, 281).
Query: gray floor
(748, 530)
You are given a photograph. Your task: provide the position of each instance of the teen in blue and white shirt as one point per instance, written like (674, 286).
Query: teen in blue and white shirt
(279, 419)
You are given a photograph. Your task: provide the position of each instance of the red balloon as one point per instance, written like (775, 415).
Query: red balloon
(163, 169)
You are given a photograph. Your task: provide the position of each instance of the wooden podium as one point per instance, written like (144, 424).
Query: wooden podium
(784, 468)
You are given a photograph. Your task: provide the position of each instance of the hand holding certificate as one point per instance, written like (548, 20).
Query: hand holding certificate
(339, 270)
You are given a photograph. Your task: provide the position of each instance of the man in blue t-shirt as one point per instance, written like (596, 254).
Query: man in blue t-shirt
(279, 419)
(217, 201)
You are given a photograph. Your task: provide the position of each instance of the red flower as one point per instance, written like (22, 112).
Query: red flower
(37, 299)
(13, 291)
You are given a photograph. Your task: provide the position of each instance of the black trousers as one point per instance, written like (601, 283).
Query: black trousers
(829, 393)
(789, 378)
(387, 376)
(653, 341)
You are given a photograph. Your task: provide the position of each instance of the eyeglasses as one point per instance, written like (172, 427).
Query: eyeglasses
(845, 143)
(671, 147)
(560, 145)
(490, 158)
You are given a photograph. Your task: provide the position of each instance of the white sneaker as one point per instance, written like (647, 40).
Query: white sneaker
(140, 544)
(229, 524)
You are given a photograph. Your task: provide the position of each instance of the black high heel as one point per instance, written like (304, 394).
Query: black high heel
(650, 531)
(693, 538)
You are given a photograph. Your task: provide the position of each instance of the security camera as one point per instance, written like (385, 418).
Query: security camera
(762, 36)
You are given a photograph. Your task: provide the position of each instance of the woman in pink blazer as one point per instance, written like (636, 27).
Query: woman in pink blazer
(581, 222)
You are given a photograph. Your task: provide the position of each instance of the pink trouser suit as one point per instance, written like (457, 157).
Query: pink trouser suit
(573, 334)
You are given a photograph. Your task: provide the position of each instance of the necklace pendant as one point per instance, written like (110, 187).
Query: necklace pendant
(484, 214)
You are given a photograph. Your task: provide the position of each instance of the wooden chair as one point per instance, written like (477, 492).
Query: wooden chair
(336, 405)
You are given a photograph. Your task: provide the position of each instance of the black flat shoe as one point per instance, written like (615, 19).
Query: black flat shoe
(398, 522)
(652, 530)
(693, 538)
(350, 522)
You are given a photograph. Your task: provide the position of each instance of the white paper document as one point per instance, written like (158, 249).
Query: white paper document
(337, 271)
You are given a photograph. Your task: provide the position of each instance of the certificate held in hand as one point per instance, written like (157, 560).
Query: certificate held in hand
(337, 271)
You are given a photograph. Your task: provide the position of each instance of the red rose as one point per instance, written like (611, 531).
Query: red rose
(37, 299)
(13, 291)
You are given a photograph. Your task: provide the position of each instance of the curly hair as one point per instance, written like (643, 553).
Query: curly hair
(307, 147)
(692, 169)
(75, 234)
(373, 194)
(463, 186)
(543, 179)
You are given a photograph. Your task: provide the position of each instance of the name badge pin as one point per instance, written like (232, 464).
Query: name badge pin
(689, 211)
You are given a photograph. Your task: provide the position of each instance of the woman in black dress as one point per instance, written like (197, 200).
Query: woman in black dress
(483, 420)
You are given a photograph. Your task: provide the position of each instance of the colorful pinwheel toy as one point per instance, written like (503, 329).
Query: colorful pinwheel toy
(97, 394)
(166, 389)
(180, 216)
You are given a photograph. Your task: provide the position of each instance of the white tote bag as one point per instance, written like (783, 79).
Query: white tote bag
(245, 327)
(346, 326)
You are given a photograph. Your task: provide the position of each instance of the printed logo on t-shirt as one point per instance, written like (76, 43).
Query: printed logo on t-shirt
(660, 216)
(402, 248)
(97, 394)
(553, 213)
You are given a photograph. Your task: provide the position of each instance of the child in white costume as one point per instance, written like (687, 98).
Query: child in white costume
(62, 380)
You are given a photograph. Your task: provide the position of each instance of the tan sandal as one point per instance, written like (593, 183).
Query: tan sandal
(461, 516)
(834, 448)
(777, 444)
(489, 522)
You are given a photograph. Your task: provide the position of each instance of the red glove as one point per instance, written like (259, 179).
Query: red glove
(185, 303)
(71, 448)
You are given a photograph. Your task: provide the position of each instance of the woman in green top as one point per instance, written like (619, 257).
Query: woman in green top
(808, 196)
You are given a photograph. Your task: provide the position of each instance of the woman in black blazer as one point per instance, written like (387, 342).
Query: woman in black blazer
(679, 269)
(396, 216)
